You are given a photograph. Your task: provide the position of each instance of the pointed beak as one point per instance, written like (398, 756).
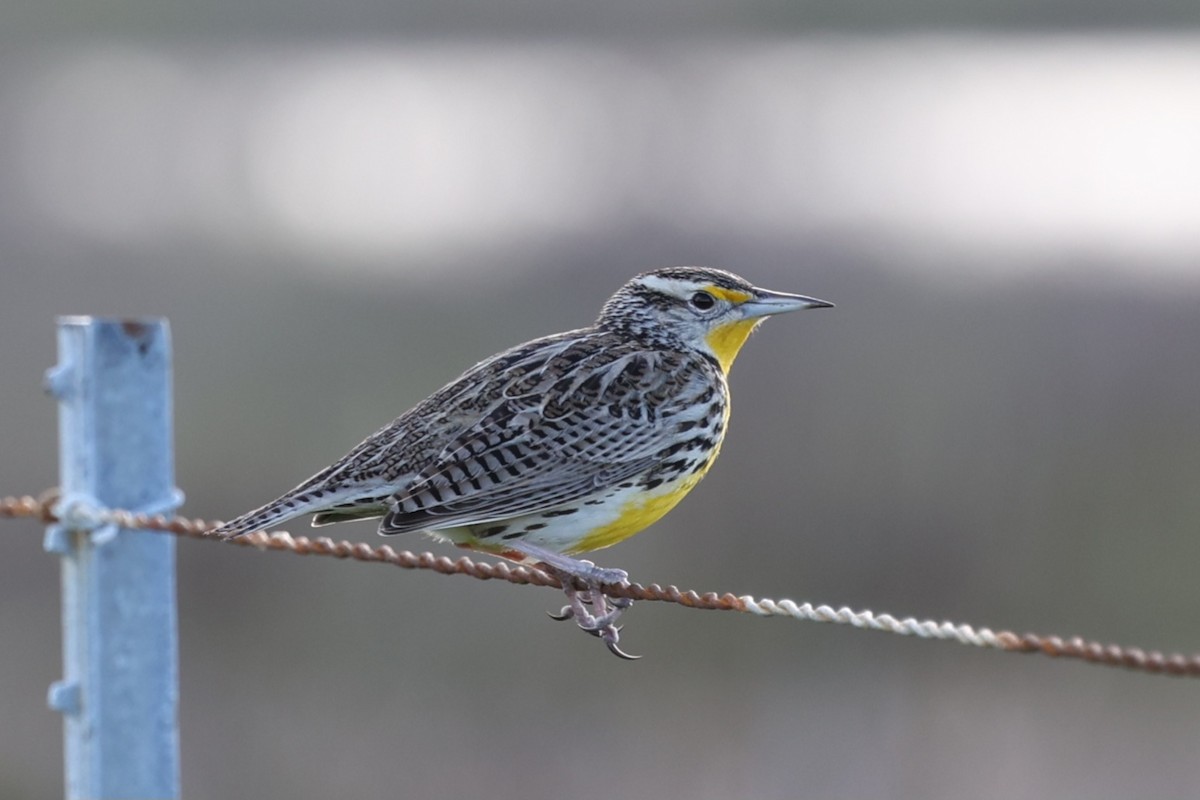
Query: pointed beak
(765, 303)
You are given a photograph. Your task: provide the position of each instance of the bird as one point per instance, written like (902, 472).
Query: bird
(561, 446)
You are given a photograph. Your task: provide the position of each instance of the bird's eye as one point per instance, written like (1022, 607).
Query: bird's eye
(702, 301)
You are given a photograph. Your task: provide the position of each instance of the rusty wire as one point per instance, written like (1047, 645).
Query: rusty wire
(1132, 658)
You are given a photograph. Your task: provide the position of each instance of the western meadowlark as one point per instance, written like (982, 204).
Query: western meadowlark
(562, 445)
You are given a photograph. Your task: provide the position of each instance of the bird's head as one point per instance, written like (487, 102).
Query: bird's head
(698, 308)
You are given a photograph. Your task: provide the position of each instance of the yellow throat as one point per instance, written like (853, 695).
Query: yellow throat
(727, 340)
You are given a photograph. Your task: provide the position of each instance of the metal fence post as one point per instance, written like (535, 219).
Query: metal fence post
(119, 693)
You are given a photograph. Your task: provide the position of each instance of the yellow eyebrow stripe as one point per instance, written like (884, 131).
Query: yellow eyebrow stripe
(730, 295)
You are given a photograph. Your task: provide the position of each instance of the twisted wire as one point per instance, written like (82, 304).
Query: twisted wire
(1132, 658)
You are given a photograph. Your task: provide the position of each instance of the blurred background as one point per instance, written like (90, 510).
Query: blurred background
(340, 206)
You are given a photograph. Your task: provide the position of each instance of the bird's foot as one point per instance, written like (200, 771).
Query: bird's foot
(593, 611)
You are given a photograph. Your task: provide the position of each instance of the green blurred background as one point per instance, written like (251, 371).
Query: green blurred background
(340, 206)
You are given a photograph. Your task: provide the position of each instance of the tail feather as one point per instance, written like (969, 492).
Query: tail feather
(347, 514)
(329, 506)
(325, 495)
(271, 515)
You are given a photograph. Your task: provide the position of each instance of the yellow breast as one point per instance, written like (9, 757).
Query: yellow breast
(641, 511)
(638, 513)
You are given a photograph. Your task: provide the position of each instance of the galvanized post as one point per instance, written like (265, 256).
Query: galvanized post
(119, 694)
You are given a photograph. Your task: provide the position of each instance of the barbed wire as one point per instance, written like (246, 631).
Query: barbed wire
(1111, 655)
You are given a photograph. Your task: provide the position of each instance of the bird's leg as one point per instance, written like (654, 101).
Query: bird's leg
(579, 568)
(593, 611)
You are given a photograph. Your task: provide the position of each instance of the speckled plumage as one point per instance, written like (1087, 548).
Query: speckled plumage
(561, 445)
(546, 424)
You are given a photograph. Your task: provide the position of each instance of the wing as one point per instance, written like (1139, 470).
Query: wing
(555, 435)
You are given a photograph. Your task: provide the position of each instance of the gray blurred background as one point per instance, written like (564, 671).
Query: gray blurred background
(340, 206)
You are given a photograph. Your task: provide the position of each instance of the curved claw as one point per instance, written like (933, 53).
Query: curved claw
(564, 613)
(610, 635)
(618, 652)
(602, 631)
